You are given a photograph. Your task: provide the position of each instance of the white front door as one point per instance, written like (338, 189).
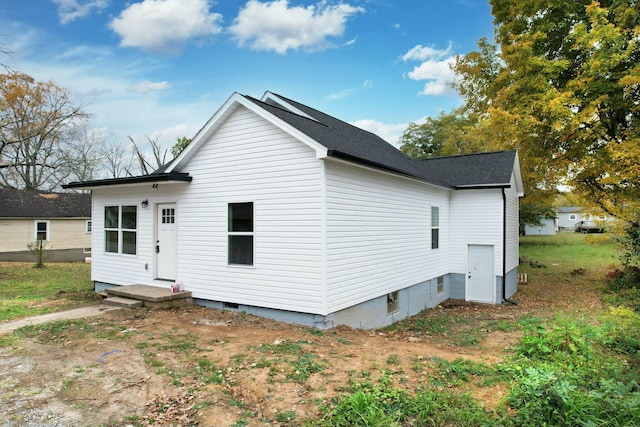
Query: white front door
(166, 243)
(480, 277)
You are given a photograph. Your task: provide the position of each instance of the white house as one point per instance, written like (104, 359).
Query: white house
(280, 210)
(569, 216)
(547, 227)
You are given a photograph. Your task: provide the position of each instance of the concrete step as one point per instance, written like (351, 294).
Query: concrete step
(122, 302)
(151, 296)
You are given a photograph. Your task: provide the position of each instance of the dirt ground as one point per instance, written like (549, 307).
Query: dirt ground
(221, 368)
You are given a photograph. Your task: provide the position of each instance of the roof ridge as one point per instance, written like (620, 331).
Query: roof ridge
(293, 101)
(482, 153)
(280, 108)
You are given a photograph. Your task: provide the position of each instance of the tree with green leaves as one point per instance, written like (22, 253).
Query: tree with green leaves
(568, 91)
(180, 145)
(562, 85)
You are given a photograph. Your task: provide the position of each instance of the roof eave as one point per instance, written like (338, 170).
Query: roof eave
(482, 186)
(357, 160)
(167, 178)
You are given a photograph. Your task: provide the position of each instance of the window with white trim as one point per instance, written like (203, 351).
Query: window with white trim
(87, 226)
(240, 234)
(42, 231)
(435, 227)
(120, 229)
(573, 217)
(440, 285)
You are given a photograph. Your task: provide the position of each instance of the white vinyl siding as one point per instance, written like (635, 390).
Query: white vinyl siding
(130, 269)
(513, 227)
(250, 159)
(379, 234)
(476, 217)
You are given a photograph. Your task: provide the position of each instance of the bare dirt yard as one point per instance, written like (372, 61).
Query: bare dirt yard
(221, 368)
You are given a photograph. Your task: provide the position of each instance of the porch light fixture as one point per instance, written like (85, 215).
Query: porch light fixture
(144, 203)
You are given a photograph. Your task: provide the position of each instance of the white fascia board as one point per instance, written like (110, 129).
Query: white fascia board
(270, 95)
(518, 175)
(224, 111)
(213, 123)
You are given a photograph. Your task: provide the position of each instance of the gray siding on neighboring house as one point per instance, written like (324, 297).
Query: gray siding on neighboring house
(547, 228)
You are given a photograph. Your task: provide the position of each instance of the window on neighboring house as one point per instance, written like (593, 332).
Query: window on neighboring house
(42, 230)
(440, 286)
(435, 227)
(120, 228)
(240, 233)
(87, 226)
(393, 304)
(601, 217)
(573, 217)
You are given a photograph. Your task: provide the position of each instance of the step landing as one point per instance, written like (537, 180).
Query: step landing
(150, 296)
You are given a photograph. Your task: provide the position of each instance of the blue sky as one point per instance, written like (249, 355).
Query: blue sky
(163, 67)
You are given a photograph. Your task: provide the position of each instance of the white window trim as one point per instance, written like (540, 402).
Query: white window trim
(242, 233)
(435, 227)
(440, 281)
(120, 231)
(87, 226)
(35, 229)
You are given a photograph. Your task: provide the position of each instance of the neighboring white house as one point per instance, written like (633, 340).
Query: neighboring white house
(547, 227)
(569, 216)
(280, 210)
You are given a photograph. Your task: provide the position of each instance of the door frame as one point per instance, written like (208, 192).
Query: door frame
(157, 214)
(492, 277)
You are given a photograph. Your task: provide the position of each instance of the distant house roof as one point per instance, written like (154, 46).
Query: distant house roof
(40, 204)
(569, 209)
(337, 139)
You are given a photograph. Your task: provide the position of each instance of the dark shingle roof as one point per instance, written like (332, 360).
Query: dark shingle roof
(471, 170)
(40, 204)
(351, 143)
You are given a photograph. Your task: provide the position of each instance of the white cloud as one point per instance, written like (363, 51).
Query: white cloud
(70, 10)
(345, 93)
(147, 86)
(435, 69)
(276, 26)
(422, 53)
(164, 26)
(389, 132)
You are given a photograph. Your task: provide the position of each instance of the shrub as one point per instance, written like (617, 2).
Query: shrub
(545, 396)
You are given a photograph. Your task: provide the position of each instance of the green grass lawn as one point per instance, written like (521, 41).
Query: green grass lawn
(28, 291)
(566, 252)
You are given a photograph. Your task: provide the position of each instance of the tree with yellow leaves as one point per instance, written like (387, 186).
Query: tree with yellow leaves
(39, 128)
(562, 86)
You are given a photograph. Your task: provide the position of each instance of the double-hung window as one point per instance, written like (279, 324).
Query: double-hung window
(435, 227)
(42, 230)
(120, 229)
(240, 233)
